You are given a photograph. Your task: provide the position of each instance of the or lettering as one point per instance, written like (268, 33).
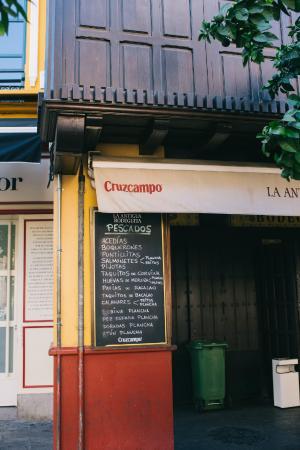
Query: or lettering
(9, 184)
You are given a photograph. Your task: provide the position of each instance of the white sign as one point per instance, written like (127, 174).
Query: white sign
(124, 186)
(23, 182)
(38, 365)
(38, 270)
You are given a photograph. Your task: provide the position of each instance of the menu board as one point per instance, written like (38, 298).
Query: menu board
(129, 281)
(38, 273)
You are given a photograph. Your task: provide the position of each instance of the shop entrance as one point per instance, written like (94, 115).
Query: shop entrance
(237, 285)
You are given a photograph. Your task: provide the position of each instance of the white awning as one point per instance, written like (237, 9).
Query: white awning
(176, 186)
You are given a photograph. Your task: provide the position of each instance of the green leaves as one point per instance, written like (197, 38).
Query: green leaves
(287, 64)
(292, 4)
(260, 22)
(256, 9)
(10, 9)
(281, 140)
(294, 100)
(225, 8)
(246, 24)
(242, 14)
(265, 38)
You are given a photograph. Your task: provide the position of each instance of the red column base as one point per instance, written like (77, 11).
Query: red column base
(127, 395)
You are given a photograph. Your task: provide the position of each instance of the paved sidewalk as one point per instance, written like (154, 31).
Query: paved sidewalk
(261, 428)
(23, 435)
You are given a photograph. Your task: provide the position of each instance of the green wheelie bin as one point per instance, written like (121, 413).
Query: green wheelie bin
(208, 371)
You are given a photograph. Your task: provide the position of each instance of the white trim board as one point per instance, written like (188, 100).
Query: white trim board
(16, 130)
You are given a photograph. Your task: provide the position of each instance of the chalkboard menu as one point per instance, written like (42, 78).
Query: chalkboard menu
(129, 282)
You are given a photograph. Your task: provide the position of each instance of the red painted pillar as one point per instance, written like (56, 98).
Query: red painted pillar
(128, 399)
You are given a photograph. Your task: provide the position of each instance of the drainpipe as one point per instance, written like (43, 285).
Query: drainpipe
(81, 187)
(58, 312)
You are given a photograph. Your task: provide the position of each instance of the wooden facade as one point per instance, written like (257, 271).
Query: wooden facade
(147, 52)
(135, 72)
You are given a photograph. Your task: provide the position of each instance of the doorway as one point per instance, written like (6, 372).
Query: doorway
(8, 381)
(238, 286)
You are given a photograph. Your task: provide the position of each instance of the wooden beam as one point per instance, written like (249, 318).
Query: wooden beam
(220, 134)
(69, 144)
(154, 136)
(92, 135)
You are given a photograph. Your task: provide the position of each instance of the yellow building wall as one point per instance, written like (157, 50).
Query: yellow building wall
(69, 274)
(41, 48)
(11, 110)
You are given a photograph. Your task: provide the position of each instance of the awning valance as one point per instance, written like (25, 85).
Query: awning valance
(172, 186)
(19, 141)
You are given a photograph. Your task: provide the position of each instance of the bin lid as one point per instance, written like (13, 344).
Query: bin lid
(199, 344)
(285, 361)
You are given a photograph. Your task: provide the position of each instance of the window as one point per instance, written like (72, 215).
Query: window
(12, 54)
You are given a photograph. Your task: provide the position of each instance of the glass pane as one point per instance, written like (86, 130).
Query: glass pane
(3, 298)
(3, 246)
(12, 299)
(13, 247)
(11, 350)
(2, 349)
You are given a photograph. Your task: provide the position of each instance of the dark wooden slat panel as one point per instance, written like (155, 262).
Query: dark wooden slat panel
(207, 297)
(178, 69)
(240, 309)
(89, 13)
(277, 30)
(201, 289)
(290, 266)
(136, 16)
(178, 24)
(277, 300)
(180, 310)
(222, 297)
(68, 54)
(137, 66)
(214, 67)
(114, 40)
(96, 55)
(182, 382)
(251, 306)
(54, 36)
(157, 31)
(297, 289)
(217, 287)
(199, 49)
(228, 299)
(236, 77)
(195, 287)
(266, 70)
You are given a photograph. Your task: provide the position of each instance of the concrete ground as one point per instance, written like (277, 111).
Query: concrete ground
(23, 435)
(262, 428)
